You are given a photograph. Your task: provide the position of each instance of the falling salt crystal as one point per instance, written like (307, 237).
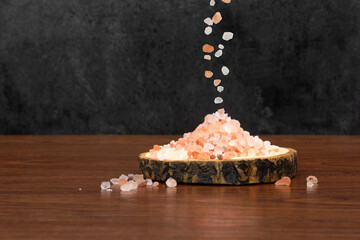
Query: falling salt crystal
(208, 21)
(220, 88)
(171, 182)
(212, 3)
(123, 176)
(309, 184)
(105, 185)
(221, 46)
(207, 57)
(227, 36)
(208, 30)
(218, 53)
(217, 82)
(218, 100)
(217, 17)
(149, 182)
(225, 70)
(114, 181)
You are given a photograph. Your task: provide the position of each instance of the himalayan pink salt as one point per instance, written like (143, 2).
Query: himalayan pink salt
(217, 17)
(123, 176)
(226, 1)
(312, 179)
(208, 48)
(208, 74)
(141, 182)
(155, 184)
(149, 182)
(171, 182)
(138, 177)
(217, 82)
(129, 186)
(285, 181)
(122, 182)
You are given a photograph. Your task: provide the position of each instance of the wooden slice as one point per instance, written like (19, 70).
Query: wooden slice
(239, 171)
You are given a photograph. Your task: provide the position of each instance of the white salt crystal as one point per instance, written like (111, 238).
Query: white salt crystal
(227, 36)
(208, 146)
(105, 185)
(221, 46)
(126, 187)
(218, 100)
(207, 57)
(250, 141)
(208, 30)
(309, 184)
(218, 53)
(171, 182)
(212, 3)
(220, 88)
(227, 127)
(114, 181)
(208, 21)
(123, 176)
(225, 70)
(149, 182)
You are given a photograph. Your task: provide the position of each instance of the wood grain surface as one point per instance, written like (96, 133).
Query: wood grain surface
(40, 177)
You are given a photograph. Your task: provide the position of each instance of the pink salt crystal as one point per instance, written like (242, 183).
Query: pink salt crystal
(122, 181)
(149, 182)
(155, 184)
(138, 177)
(126, 187)
(312, 179)
(171, 182)
(141, 183)
(285, 181)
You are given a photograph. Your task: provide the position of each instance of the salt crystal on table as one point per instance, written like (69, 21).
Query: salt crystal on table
(217, 82)
(138, 177)
(208, 30)
(122, 182)
(171, 182)
(218, 100)
(123, 176)
(309, 184)
(208, 21)
(285, 181)
(114, 181)
(155, 184)
(221, 46)
(207, 57)
(126, 187)
(218, 53)
(312, 179)
(226, 1)
(105, 185)
(220, 88)
(149, 182)
(227, 36)
(225, 70)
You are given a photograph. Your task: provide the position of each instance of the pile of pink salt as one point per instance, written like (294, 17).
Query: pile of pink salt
(218, 137)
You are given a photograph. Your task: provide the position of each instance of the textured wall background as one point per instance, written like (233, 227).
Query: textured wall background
(135, 66)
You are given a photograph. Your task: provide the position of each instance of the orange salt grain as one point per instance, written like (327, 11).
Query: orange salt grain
(157, 147)
(226, 1)
(285, 181)
(208, 74)
(208, 48)
(122, 182)
(195, 154)
(217, 82)
(203, 156)
(217, 17)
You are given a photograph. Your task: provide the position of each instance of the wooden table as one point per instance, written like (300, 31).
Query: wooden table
(40, 196)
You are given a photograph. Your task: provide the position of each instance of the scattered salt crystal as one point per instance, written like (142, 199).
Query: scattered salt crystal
(207, 57)
(208, 21)
(227, 127)
(220, 88)
(227, 36)
(122, 182)
(149, 182)
(225, 70)
(114, 181)
(171, 182)
(208, 74)
(138, 177)
(226, 1)
(208, 30)
(218, 100)
(218, 53)
(105, 185)
(217, 82)
(217, 17)
(126, 187)
(141, 183)
(212, 3)
(156, 184)
(312, 179)
(309, 184)
(109, 190)
(285, 181)
(80, 189)
(221, 46)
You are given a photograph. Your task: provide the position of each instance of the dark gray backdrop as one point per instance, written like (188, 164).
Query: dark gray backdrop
(136, 66)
